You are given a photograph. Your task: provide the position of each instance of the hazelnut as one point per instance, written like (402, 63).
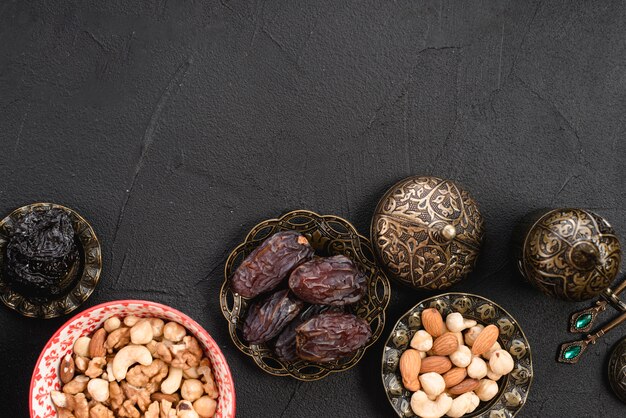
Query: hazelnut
(501, 362)
(477, 368)
(422, 341)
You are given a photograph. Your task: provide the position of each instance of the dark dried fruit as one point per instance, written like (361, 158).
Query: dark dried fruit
(330, 336)
(267, 318)
(270, 263)
(329, 281)
(285, 346)
(42, 252)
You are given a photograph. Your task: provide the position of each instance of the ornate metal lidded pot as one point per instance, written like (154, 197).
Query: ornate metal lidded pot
(571, 254)
(617, 370)
(427, 232)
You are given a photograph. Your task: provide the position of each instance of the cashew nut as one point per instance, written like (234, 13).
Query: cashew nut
(98, 389)
(462, 357)
(501, 362)
(472, 334)
(475, 401)
(131, 320)
(157, 327)
(460, 405)
(109, 372)
(173, 332)
(128, 356)
(477, 368)
(112, 324)
(432, 383)
(81, 363)
(205, 406)
(141, 332)
(81, 346)
(184, 409)
(425, 408)
(422, 341)
(456, 323)
(172, 383)
(486, 389)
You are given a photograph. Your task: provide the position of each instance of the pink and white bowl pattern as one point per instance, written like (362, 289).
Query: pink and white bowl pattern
(45, 375)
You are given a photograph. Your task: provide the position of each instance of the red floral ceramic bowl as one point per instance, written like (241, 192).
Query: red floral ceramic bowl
(45, 375)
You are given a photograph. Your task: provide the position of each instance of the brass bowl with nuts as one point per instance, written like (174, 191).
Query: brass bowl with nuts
(328, 235)
(494, 341)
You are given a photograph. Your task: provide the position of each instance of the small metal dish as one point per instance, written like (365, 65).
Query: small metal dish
(85, 283)
(513, 387)
(329, 235)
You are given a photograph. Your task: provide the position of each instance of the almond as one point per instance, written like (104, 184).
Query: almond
(465, 386)
(67, 369)
(96, 345)
(454, 376)
(410, 364)
(433, 322)
(437, 364)
(485, 340)
(445, 345)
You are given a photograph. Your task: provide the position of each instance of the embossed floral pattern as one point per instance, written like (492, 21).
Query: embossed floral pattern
(407, 232)
(546, 254)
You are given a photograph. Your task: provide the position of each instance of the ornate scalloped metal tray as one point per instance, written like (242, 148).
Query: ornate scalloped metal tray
(513, 387)
(91, 266)
(329, 235)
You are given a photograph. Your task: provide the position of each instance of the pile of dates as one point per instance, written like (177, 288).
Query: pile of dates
(300, 300)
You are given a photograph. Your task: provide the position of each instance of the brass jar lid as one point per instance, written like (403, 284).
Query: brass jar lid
(617, 370)
(571, 254)
(427, 232)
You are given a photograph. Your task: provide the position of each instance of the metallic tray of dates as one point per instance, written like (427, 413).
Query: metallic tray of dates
(328, 235)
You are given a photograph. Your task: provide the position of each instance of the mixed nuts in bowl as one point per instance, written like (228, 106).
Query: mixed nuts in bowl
(457, 355)
(131, 359)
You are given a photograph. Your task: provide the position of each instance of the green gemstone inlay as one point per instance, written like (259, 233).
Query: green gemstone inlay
(583, 320)
(572, 352)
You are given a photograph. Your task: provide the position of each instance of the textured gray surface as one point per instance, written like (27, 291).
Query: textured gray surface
(175, 126)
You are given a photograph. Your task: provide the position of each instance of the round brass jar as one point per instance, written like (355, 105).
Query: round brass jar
(617, 370)
(427, 232)
(571, 254)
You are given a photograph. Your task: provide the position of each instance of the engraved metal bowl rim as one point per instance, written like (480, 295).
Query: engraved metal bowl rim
(377, 270)
(459, 294)
(95, 264)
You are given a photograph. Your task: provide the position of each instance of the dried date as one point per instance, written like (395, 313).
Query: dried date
(329, 281)
(267, 318)
(285, 347)
(270, 263)
(330, 336)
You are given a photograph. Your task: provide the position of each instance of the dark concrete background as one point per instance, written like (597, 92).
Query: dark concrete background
(175, 126)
